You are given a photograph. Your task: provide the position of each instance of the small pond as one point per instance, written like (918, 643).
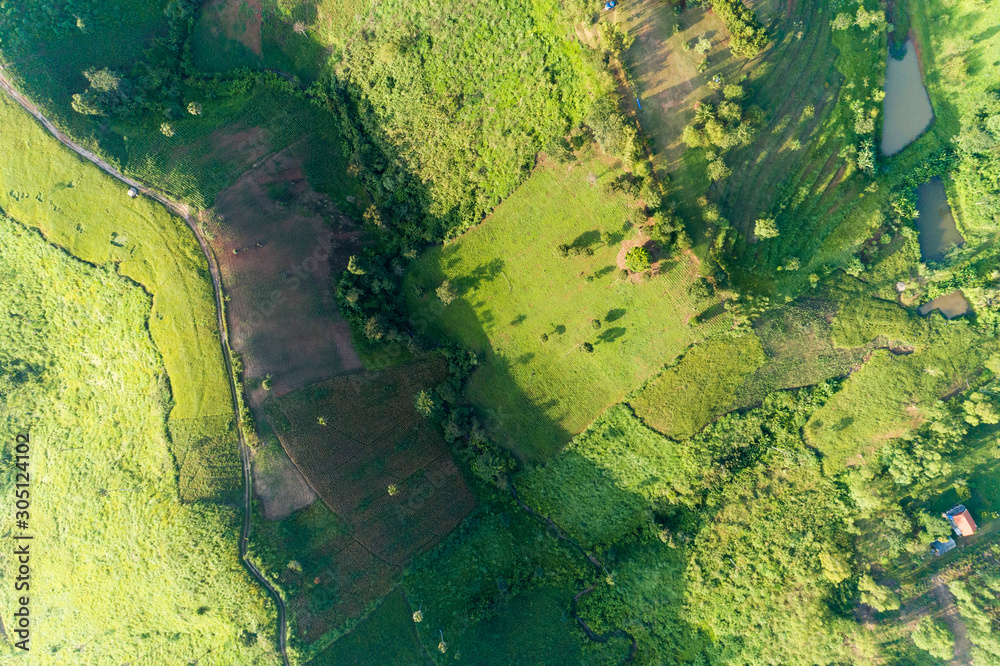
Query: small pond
(951, 305)
(907, 107)
(935, 223)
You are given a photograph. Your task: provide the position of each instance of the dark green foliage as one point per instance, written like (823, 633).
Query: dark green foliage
(757, 579)
(647, 600)
(615, 134)
(701, 289)
(497, 553)
(978, 600)
(980, 164)
(668, 232)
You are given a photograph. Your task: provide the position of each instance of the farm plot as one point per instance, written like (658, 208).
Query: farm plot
(894, 391)
(77, 207)
(527, 311)
(278, 241)
(355, 436)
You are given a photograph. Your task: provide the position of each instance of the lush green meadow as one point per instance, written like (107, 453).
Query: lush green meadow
(514, 288)
(44, 185)
(122, 569)
(707, 381)
(600, 487)
(894, 391)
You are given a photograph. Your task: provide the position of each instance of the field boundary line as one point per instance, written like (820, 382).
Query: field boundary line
(183, 211)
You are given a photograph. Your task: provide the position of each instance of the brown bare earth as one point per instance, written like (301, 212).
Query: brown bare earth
(352, 437)
(278, 242)
(279, 484)
(238, 20)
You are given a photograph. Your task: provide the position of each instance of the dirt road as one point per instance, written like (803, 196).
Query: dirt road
(954, 621)
(184, 212)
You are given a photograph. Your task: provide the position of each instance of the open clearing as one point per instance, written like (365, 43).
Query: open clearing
(790, 347)
(278, 242)
(513, 288)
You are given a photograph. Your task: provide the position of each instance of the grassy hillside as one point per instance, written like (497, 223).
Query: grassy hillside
(121, 568)
(514, 288)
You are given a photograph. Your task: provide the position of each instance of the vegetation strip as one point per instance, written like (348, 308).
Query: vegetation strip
(600, 638)
(182, 212)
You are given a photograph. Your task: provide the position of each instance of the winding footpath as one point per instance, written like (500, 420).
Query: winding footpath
(184, 212)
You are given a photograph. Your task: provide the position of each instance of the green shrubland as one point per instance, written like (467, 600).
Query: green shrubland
(452, 113)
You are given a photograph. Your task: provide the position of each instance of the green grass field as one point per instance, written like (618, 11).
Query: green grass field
(513, 287)
(599, 488)
(890, 395)
(122, 569)
(706, 382)
(44, 185)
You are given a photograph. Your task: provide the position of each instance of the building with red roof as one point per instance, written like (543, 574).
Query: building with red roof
(961, 521)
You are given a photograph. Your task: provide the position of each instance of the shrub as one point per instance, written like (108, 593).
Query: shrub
(746, 36)
(934, 637)
(701, 289)
(637, 259)
(446, 293)
(733, 91)
(765, 228)
(717, 170)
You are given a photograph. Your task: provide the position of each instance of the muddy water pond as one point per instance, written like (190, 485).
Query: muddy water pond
(907, 108)
(951, 305)
(935, 223)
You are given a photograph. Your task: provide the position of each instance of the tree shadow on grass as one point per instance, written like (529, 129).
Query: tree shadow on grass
(610, 335)
(713, 311)
(614, 315)
(587, 239)
(604, 271)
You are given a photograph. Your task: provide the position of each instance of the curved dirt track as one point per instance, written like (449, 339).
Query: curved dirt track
(183, 211)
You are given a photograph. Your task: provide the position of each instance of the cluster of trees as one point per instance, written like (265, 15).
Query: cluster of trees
(746, 35)
(154, 84)
(978, 144)
(722, 126)
(444, 404)
(978, 600)
(23, 20)
(493, 87)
